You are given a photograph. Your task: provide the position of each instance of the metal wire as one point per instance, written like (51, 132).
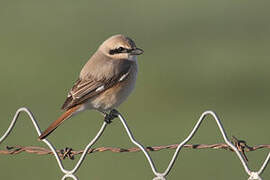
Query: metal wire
(158, 175)
(70, 153)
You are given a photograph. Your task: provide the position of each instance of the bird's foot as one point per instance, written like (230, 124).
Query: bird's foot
(109, 117)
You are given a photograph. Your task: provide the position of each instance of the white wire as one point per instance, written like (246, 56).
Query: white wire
(70, 176)
(159, 176)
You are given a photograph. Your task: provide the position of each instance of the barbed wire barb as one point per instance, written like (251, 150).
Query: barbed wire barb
(238, 148)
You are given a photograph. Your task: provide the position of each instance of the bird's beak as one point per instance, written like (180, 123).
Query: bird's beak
(136, 51)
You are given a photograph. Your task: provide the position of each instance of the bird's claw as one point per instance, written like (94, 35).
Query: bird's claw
(109, 117)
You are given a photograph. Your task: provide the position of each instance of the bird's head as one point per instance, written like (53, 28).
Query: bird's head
(120, 47)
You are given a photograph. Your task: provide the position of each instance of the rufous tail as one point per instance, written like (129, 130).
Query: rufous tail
(58, 122)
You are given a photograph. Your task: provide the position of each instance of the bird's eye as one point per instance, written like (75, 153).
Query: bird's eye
(117, 50)
(120, 49)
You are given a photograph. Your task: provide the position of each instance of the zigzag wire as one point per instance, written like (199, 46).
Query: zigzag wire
(159, 176)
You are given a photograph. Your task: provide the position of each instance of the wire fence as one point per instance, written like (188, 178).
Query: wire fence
(238, 146)
(70, 153)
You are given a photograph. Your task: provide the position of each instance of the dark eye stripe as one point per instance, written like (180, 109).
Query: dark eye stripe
(119, 50)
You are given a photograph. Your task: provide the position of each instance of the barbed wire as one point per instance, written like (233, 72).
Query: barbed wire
(238, 146)
(70, 153)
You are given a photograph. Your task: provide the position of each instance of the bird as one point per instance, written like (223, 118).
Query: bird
(105, 81)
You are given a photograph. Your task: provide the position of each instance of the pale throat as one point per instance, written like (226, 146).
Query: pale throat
(132, 58)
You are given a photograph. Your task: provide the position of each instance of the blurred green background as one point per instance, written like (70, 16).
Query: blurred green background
(199, 55)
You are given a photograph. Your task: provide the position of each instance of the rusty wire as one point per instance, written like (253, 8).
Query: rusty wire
(70, 153)
(240, 147)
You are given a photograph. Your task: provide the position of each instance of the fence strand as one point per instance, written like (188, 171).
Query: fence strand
(238, 146)
(70, 153)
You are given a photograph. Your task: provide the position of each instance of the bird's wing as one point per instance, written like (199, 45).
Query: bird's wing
(91, 86)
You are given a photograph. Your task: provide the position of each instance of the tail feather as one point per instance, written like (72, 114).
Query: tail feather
(58, 122)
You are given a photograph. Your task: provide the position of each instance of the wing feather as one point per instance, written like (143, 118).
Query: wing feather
(91, 86)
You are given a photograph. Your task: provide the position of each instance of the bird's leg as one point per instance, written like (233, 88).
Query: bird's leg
(110, 116)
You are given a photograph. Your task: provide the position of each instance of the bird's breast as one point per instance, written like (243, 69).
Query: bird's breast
(116, 95)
